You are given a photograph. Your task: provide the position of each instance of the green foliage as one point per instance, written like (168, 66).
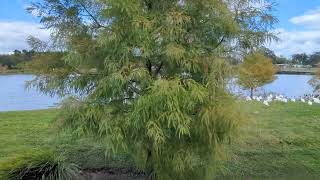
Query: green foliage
(304, 59)
(13, 60)
(315, 59)
(300, 59)
(37, 166)
(275, 59)
(44, 62)
(153, 75)
(256, 71)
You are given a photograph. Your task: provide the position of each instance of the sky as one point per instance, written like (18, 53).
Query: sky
(298, 27)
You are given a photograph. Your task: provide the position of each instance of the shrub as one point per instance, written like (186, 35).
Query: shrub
(37, 166)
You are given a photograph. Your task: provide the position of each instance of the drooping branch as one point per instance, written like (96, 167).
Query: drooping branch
(91, 16)
(219, 43)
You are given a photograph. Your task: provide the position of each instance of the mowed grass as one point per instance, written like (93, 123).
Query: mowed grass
(277, 142)
(28, 131)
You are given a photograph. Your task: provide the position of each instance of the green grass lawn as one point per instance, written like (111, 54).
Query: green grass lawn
(35, 130)
(277, 142)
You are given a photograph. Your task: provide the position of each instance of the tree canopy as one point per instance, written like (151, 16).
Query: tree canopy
(275, 59)
(305, 59)
(152, 75)
(256, 71)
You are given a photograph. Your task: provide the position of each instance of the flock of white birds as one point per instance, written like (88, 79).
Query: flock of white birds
(266, 100)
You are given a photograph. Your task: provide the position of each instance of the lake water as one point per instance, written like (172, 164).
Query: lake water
(292, 86)
(14, 96)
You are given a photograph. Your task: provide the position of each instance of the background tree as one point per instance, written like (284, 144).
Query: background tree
(269, 53)
(302, 59)
(256, 71)
(275, 59)
(154, 75)
(282, 60)
(12, 60)
(314, 59)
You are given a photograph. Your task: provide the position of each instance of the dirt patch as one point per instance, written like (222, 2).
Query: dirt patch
(112, 174)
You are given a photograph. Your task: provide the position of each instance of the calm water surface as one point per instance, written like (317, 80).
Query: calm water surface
(292, 86)
(14, 96)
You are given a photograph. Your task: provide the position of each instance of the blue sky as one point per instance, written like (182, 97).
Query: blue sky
(14, 10)
(299, 26)
(286, 9)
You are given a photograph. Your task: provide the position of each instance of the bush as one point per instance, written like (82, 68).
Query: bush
(37, 166)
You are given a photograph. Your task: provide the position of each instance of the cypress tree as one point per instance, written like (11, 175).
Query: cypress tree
(153, 75)
(256, 70)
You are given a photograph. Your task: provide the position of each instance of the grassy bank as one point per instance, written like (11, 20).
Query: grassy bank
(281, 141)
(33, 130)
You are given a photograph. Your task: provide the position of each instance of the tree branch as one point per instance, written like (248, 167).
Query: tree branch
(158, 69)
(149, 66)
(219, 43)
(91, 15)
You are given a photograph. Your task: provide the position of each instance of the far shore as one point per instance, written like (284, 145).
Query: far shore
(15, 71)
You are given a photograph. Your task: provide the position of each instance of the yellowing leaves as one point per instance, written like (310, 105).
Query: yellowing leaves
(256, 71)
(177, 18)
(174, 51)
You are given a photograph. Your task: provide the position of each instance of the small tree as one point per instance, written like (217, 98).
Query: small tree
(154, 74)
(256, 71)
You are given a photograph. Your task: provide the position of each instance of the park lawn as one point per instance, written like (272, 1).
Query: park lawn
(277, 142)
(28, 131)
(281, 141)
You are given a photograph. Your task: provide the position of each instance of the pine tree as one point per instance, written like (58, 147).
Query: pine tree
(255, 71)
(153, 75)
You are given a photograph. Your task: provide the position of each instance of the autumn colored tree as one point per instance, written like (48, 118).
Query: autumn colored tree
(256, 71)
(153, 75)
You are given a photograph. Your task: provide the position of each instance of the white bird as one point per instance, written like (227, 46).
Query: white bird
(266, 103)
(316, 100)
(302, 100)
(310, 103)
(269, 100)
(248, 98)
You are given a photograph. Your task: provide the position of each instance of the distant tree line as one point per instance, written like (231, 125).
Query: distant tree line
(299, 58)
(11, 61)
(42, 56)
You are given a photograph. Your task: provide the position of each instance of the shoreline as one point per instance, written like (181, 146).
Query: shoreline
(15, 72)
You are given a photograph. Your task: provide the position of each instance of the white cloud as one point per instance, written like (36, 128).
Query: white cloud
(292, 42)
(13, 34)
(302, 41)
(311, 19)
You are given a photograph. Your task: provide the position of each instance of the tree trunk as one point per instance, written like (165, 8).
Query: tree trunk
(251, 93)
(149, 168)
